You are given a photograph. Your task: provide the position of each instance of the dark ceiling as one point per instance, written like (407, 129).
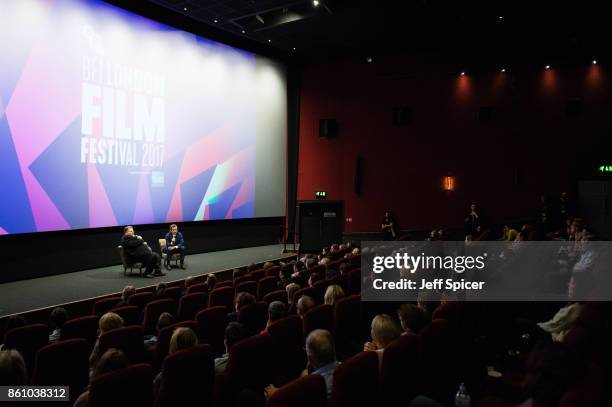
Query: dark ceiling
(337, 28)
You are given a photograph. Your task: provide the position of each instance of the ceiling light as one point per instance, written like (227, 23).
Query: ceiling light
(547, 67)
(462, 73)
(594, 62)
(294, 48)
(315, 3)
(369, 60)
(216, 21)
(184, 8)
(269, 40)
(503, 70)
(500, 18)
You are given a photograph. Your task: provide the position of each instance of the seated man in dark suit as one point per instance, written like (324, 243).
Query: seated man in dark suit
(174, 244)
(137, 251)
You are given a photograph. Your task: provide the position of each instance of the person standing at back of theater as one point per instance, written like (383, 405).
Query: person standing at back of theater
(175, 243)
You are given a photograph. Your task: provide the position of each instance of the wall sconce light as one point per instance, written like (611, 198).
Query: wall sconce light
(448, 183)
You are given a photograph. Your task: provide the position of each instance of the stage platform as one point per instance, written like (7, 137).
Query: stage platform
(27, 295)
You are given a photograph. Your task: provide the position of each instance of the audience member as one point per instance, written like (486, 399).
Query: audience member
(234, 332)
(314, 277)
(291, 289)
(333, 293)
(58, 317)
(107, 323)
(242, 299)
(110, 361)
(384, 331)
(12, 322)
(310, 263)
(211, 281)
(160, 291)
(12, 368)
(127, 292)
(412, 318)
(182, 338)
(276, 311)
(321, 354)
(305, 304)
(472, 220)
(428, 301)
(165, 319)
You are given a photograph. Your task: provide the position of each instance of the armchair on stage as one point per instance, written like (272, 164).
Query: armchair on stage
(176, 257)
(127, 266)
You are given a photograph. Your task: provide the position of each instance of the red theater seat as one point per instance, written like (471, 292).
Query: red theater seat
(225, 284)
(210, 327)
(131, 386)
(289, 342)
(347, 321)
(354, 282)
(319, 317)
(308, 391)
(257, 275)
(342, 280)
(222, 296)
(399, 371)
(27, 340)
(141, 299)
(266, 285)
(163, 341)
(104, 305)
(129, 339)
(308, 291)
(187, 378)
(152, 312)
(172, 293)
(273, 271)
(64, 363)
(190, 305)
(254, 316)
(278, 295)
(251, 364)
(247, 286)
(82, 327)
(355, 381)
(198, 288)
(130, 314)
(242, 279)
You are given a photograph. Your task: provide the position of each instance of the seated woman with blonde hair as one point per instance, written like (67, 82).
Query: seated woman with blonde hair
(333, 293)
(385, 330)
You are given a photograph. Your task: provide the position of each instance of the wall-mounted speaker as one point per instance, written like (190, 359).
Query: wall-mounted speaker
(357, 177)
(573, 107)
(485, 114)
(402, 116)
(328, 128)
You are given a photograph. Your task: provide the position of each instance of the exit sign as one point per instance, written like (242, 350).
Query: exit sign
(605, 169)
(320, 194)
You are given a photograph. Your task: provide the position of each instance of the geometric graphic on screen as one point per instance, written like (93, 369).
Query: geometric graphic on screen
(15, 211)
(220, 204)
(195, 187)
(57, 176)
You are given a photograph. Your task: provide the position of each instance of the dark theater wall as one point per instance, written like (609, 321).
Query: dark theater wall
(530, 146)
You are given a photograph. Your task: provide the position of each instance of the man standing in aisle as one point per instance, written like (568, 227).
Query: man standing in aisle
(175, 243)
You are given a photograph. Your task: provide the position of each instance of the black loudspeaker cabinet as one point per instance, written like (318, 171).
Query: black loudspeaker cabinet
(320, 223)
(328, 128)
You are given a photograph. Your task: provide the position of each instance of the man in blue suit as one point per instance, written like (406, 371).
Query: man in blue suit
(175, 243)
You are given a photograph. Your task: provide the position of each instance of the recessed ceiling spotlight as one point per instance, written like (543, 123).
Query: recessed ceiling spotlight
(315, 3)
(294, 48)
(547, 67)
(243, 31)
(503, 70)
(462, 73)
(500, 18)
(269, 40)
(369, 60)
(594, 62)
(184, 8)
(215, 21)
